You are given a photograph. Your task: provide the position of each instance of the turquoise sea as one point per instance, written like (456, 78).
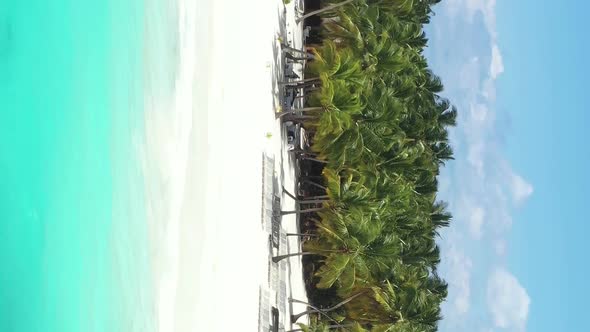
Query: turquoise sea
(73, 251)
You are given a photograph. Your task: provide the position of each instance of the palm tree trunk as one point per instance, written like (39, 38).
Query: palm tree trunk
(303, 152)
(294, 58)
(289, 48)
(309, 84)
(301, 234)
(296, 118)
(302, 211)
(325, 9)
(294, 318)
(306, 199)
(314, 159)
(313, 201)
(330, 327)
(317, 197)
(289, 194)
(301, 119)
(310, 109)
(319, 186)
(279, 258)
(283, 113)
(303, 110)
(300, 85)
(305, 80)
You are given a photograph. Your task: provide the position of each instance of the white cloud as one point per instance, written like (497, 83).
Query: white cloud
(475, 157)
(521, 190)
(467, 9)
(508, 301)
(459, 277)
(477, 125)
(500, 247)
(497, 65)
(476, 220)
(477, 121)
(481, 185)
(469, 76)
(470, 7)
(481, 115)
(489, 90)
(502, 217)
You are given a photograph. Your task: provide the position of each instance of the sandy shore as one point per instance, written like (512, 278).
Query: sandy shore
(203, 166)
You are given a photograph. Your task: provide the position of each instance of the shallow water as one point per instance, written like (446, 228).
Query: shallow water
(76, 81)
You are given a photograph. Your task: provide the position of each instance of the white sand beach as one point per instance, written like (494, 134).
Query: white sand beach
(203, 162)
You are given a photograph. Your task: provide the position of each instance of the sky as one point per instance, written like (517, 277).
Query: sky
(516, 72)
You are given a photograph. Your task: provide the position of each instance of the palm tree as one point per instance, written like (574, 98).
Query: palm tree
(380, 136)
(353, 246)
(411, 301)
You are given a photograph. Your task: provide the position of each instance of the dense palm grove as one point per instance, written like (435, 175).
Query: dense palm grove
(378, 132)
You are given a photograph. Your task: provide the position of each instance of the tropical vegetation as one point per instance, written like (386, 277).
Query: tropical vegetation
(379, 136)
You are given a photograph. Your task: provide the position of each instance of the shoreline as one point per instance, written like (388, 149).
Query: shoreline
(203, 169)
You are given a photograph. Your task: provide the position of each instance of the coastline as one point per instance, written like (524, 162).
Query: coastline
(203, 168)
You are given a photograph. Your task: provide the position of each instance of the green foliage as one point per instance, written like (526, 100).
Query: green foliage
(383, 129)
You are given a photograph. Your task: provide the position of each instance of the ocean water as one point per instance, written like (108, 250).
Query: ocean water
(75, 77)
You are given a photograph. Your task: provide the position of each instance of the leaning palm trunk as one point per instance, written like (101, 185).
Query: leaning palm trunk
(283, 213)
(300, 85)
(295, 58)
(330, 327)
(289, 48)
(279, 258)
(314, 159)
(310, 109)
(305, 80)
(304, 120)
(325, 9)
(303, 110)
(302, 88)
(318, 197)
(302, 151)
(313, 201)
(313, 309)
(302, 234)
(309, 198)
(311, 183)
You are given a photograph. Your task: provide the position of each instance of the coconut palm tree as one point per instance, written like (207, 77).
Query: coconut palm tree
(352, 246)
(412, 300)
(379, 137)
(355, 247)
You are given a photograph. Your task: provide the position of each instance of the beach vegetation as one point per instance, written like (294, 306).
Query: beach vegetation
(378, 134)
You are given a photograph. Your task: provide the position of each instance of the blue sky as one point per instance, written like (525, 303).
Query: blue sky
(515, 255)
